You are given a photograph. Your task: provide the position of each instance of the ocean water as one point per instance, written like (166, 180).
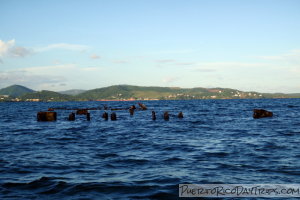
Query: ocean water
(135, 157)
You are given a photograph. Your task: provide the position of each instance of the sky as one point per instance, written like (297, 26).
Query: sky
(59, 45)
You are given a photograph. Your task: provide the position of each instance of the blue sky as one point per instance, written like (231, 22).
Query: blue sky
(249, 45)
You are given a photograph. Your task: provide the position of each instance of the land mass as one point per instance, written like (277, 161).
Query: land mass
(130, 92)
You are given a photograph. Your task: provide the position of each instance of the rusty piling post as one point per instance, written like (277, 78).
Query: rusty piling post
(143, 107)
(105, 116)
(261, 113)
(131, 111)
(71, 117)
(166, 115)
(153, 115)
(81, 112)
(46, 116)
(180, 115)
(113, 116)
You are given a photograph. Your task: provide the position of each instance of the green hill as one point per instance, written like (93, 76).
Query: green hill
(119, 92)
(45, 95)
(15, 90)
(130, 92)
(125, 92)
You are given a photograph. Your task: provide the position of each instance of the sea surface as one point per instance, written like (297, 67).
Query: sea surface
(135, 157)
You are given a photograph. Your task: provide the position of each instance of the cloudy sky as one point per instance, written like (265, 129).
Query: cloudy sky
(85, 44)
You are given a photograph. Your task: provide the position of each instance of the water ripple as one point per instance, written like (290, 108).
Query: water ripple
(135, 157)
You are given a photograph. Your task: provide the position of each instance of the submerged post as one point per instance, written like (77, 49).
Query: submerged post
(105, 115)
(71, 117)
(143, 107)
(113, 116)
(166, 115)
(46, 116)
(131, 111)
(180, 115)
(260, 113)
(81, 112)
(88, 116)
(153, 115)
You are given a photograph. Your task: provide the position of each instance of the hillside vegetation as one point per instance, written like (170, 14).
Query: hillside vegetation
(15, 90)
(46, 95)
(129, 92)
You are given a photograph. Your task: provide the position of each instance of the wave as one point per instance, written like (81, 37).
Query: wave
(54, 187)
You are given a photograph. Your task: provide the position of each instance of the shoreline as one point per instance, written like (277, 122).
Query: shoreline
(113, 100)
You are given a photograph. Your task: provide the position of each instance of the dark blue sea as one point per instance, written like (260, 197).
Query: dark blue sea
(135, 157)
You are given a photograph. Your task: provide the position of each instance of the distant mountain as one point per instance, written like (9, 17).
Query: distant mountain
(46, 95)
(72, 92)
(15, 90)
(118, 92)
(125, 92)
(130, 92)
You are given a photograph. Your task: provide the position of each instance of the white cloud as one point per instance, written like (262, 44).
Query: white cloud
(5, 46)
(32, 77)
(29, 79)
(65, 46)
(19, 52)
(172, 51)
(290, 59)
(8, 49)
(92, 69)
(291, 56)
(166, 61)
(185, 63)
(170, 79)
(173, 62)
(51, 69)
(232, 65)
(205, 70)
(120, 61)
(52, 77)
(94, 56)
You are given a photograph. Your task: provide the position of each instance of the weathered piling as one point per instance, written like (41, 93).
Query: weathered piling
(143, 107)
(113, 116)
(132, 107)
(71, 117)
(166, 115)
(46, 116)
(180, 115)
(81, 112)
(88, 116)
(131, 111)
(105, 115)
(153, 115)
(260, 113)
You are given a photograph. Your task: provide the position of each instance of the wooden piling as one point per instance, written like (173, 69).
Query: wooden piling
(166, 115)
(105, 115)
(261, 113)
(81, 112)
(131, 111)
(71, 117)
(46, 116)
(153, 115)
(113, 116)
(143, 107)
(180, 115)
